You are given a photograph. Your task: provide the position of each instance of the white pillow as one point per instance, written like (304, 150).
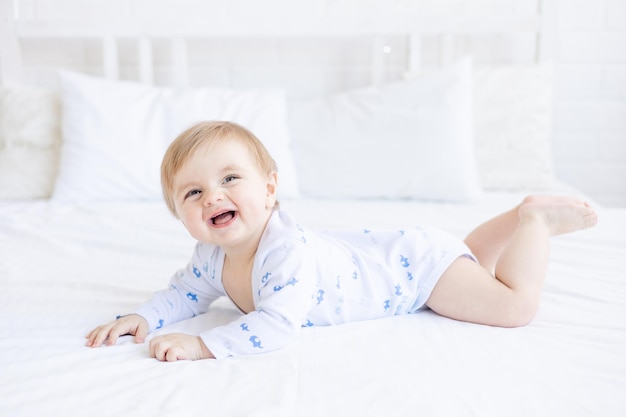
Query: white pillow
(411, 139)
(115, 134)
(30, 137)
(513, 123)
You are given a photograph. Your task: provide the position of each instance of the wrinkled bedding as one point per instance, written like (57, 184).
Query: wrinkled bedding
(65, 268)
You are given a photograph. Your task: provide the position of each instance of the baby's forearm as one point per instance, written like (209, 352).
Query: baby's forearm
(166, 307)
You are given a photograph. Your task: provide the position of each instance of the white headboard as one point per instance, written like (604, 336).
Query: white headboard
(306, 47)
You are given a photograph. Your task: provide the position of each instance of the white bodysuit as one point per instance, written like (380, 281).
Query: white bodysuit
(301, 278)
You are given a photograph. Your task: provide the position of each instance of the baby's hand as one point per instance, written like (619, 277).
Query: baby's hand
(176, 346)
(132, 324)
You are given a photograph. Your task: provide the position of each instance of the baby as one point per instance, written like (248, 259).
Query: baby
(221, 182)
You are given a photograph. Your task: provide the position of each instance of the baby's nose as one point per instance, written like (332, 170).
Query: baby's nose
(213, 196)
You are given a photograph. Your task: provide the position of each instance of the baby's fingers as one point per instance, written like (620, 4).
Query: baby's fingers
(142, 332)
(115, 332)
(132, 324)
(97, 336)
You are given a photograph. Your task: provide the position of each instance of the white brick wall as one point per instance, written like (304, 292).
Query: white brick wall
(590, 115)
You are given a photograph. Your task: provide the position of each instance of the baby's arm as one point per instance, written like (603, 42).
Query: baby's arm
(285, 283)
(132, 324)
(190, 294)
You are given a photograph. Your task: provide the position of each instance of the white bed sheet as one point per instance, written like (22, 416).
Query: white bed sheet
(67, 268)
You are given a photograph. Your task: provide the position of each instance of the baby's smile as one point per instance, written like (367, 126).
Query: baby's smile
(223, 218)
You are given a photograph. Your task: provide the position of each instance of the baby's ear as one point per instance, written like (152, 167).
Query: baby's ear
(272, 188)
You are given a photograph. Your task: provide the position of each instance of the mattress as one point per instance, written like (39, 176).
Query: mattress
(65, 268)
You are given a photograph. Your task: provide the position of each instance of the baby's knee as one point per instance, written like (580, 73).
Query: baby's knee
(522, 309)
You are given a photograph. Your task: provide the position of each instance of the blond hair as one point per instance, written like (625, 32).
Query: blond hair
(209, 133)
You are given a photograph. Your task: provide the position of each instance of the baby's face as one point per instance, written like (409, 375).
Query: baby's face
(222, 197)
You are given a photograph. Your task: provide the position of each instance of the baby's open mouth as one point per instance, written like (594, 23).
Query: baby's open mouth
(223, 218)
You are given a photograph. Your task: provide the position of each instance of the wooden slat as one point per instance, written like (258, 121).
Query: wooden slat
(446, 49)
(145, 61)
(110, 60)
(414, 54)
(546, 38)
(10, 54)
(378, 60)
(180, 62)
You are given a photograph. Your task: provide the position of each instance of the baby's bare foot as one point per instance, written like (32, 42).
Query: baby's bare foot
(560, 214)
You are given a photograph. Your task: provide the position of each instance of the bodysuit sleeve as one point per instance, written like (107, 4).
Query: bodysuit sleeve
(284, 284)
(191, 291)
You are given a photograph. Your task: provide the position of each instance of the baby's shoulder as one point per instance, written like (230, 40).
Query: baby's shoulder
(283, 237)
(283, 228)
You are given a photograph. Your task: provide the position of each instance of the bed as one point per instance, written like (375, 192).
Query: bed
(440, 134)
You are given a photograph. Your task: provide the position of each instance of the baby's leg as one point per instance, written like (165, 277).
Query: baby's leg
(468, 291)
(488, 240)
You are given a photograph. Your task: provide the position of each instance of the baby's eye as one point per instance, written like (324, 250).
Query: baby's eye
(192, 193)
(229, 178)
